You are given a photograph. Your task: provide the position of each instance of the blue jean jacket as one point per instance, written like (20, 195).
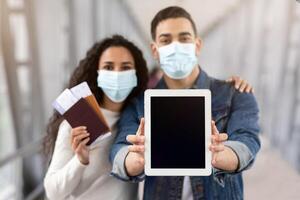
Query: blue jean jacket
(235, 113)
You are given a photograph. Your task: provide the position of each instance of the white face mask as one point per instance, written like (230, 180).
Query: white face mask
(117, 85)
(178, 60)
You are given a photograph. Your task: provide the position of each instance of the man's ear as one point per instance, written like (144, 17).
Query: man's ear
(198, 43)
(154, 51)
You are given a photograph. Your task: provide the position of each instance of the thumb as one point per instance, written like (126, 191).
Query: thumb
(214, 130)
(229, 80)
(141, 129)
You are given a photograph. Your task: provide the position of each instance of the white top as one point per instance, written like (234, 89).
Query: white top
(67, 178)
(187, 192)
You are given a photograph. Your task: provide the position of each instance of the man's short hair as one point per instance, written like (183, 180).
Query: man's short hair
(169, 13)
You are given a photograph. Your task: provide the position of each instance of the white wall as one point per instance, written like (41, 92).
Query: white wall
(54, 32)
(260, 42)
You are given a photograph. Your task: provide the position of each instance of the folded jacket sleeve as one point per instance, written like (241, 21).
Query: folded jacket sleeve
(244, 158)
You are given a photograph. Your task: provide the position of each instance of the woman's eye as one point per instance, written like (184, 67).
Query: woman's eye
(126, 67)
(108, 67)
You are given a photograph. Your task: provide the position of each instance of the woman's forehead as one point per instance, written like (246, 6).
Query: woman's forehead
(117, 54)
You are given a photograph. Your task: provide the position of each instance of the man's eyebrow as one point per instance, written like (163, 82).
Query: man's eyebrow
(165, 35)
(185, 34)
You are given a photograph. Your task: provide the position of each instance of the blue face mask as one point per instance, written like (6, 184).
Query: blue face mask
(117, 85)
(178, 60)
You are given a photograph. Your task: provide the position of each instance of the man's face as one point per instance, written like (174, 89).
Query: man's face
(174, 29)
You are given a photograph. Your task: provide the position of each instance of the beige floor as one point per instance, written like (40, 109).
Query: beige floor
(271, 178)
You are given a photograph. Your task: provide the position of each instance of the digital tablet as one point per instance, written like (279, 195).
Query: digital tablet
(177, 132)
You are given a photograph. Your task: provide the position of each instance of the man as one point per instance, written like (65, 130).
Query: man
(176, 46)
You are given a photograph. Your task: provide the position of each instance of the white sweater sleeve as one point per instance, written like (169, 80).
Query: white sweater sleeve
(65, 170)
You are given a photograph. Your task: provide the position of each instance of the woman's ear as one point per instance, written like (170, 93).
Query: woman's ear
(198, 43)
(154, 50)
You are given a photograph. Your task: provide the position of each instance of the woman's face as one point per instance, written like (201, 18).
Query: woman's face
(116, 59)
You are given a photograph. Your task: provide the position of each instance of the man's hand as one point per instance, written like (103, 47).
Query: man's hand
(135, 161)
(223, 157)
(240, 84)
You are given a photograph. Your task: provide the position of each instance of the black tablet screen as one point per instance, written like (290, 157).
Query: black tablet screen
(177, 132)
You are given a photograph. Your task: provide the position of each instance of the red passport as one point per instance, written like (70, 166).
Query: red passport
(82, 114)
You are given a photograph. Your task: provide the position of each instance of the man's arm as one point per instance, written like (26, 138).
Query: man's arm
(128, 124)
(242, 130)
(243, 127)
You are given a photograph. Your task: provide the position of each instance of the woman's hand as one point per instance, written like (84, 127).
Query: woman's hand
(223, 157)
(240, 84)
(135, 160)
(79, 139)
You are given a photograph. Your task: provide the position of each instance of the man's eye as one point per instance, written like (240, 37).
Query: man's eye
(165, 41)
(185, 39)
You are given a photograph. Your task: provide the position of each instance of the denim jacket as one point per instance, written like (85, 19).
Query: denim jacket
(235, 113)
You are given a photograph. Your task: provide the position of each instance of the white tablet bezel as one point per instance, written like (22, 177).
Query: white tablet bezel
(177, 93)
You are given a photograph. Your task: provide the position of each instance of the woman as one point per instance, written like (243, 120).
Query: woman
(116, 72)
(80, 172)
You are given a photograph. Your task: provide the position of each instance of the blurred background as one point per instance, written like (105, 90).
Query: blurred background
(42, 41)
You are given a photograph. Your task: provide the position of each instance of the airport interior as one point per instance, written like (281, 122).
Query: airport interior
(43, 41)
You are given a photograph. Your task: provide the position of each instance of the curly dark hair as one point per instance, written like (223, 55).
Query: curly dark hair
(87, 71)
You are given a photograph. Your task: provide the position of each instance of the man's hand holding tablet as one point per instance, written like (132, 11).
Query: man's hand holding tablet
(135, 160)
(223, 157)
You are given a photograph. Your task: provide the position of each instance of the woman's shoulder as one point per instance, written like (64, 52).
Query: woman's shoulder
(64, 130)
(64, 125)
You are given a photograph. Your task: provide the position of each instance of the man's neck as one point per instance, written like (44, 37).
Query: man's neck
(185, 83)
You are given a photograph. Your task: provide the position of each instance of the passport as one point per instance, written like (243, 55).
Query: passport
(80, 108)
